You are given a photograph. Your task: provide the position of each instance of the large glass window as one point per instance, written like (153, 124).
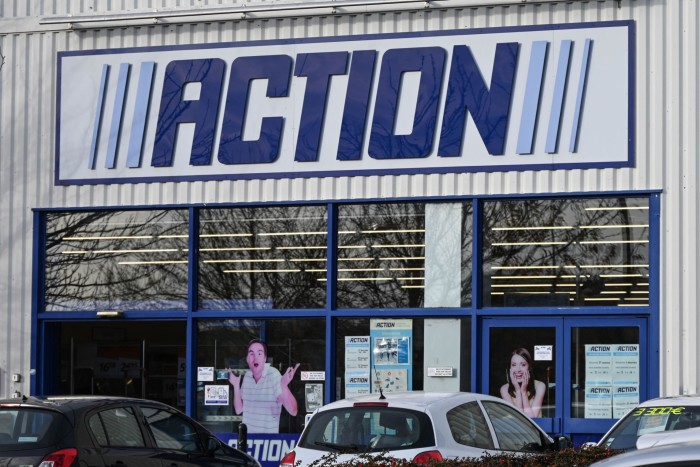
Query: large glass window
(226, 347)
(128, 260)
(566, 252)
(537, 252)
(263, 258)
(402, 354)
(407, 255)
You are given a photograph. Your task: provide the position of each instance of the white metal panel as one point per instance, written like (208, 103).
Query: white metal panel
(666, 115)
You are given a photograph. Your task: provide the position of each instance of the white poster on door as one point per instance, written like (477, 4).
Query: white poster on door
(598, 401)
(625, 364)
(598, 364)
(357, 383)
(625, 398)
(357, 365)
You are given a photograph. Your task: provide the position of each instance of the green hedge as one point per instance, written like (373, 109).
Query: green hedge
(571, 457)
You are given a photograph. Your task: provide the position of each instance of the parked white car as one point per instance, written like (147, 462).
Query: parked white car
(646, 424)
(663, 438)
(419, 426)
(667, 455)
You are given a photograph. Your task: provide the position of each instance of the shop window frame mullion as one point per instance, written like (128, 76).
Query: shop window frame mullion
(191, 331)
(331, 304)
(476, 301)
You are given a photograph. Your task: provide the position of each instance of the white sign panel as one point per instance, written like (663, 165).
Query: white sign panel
(357, 365)
(392, 380)
(540, 97)
(598, 400)
(216, 394)
(440, 371)
(598, 364)
(313, 375)
(625, 398)
(357, 353)
(357, 383)
(543, 353)
(205, 373)
(625, 364)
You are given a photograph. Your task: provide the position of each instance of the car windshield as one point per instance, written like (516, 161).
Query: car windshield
(29, 428)
(644, 420)
(369, 428)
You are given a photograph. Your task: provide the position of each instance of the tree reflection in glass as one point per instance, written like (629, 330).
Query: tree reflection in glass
(128, 260)
(566, 252)
(263, 257)
(404, 255)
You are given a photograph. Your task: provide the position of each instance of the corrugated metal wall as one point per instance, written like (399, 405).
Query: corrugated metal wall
(667, 118)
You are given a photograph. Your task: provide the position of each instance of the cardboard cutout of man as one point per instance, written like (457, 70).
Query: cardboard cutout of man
(262, 392)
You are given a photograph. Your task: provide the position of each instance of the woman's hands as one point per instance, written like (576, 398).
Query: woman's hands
(522, 384)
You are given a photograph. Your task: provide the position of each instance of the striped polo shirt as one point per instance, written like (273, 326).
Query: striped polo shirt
(261, 409)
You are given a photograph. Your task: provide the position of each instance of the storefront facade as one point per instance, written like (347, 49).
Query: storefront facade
(412, 195)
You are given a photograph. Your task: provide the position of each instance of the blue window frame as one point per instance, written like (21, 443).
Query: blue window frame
(479, 309)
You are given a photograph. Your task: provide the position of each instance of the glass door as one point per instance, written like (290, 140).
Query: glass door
(522, 365)
(606, 370)
(574, 376)
(134, 359)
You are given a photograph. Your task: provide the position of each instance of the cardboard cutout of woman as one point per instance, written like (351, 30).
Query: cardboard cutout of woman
(522, 389)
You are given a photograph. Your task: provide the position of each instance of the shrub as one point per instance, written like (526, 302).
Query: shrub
(571, 457)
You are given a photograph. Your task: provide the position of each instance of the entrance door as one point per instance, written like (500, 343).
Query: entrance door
(607, 370)
(522, 357)
(135, 359)
(582, 374)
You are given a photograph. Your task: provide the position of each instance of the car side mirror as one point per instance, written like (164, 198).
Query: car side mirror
(213, 444)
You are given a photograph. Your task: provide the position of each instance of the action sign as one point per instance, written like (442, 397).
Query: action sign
(515, 98)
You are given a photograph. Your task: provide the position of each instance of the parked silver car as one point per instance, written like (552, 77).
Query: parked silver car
(675, 454)
(668, 437)
(419, 427)
(658, 415)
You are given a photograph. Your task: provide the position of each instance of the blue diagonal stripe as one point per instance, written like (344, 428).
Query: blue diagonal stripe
(531, 102)
(579, 96)
(138, 122)
(115, 128)
(98, 117)
(558, 98)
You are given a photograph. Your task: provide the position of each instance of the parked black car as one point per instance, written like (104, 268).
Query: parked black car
(71, 431)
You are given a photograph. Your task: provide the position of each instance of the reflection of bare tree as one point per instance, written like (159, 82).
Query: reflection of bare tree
(382, 255)
(116, 259)
(467, 250)
(579, 243)
(381, 250)
(263, 257)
